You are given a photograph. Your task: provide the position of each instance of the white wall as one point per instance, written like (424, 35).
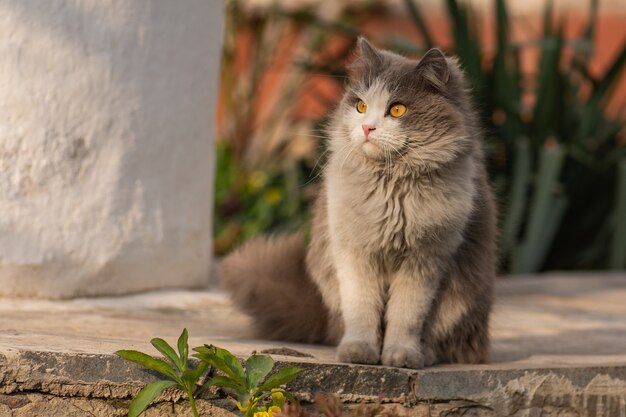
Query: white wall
(106, 144)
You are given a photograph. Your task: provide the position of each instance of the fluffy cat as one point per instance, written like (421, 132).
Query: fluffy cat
(401, 263)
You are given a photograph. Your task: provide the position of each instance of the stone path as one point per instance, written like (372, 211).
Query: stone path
(559, 348)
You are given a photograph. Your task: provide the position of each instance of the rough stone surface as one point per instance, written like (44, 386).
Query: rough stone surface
(36, 404)
(559, 350)
(106, 128)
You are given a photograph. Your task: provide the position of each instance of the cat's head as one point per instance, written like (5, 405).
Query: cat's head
(401, 111)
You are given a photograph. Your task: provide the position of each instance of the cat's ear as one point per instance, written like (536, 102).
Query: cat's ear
(367, 52)
(433, 68)
(368, 62)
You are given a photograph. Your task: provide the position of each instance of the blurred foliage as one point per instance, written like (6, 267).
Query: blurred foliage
(553, 152)
(556, 159)
(249, 202)
(267, 157)
(257, 184)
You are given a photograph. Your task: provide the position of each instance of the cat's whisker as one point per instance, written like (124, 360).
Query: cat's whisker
(423, 164)
(321, 169)
(402, 156)
(319, 158)
(386, 155)
(346, 158)
(412, 139)
(319, 174)
(308, 135)
(321, 74)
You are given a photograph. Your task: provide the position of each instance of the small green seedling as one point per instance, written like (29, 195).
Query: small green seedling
(260, 395)
(177, 370)
(249, 383)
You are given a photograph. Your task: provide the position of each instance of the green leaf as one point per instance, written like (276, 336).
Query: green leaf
(590, 30)
(147, 395)
(191, 376)
(254, 404)
(200, 369)
(505, 87)
(204, 350)
(466, 41)
(547, 18)
(553, 221)
(617, 258)
(289, 396)
(612, 75)
(257, 368)
(183, 347)
(149, 362)
(259, 401)
(549, 92)
(420, 22)
(250, 411)
(222, 360)
(279, 378)
(502, 21)
(546, 211)
(519, 190)
(167, 351)
(224, 382)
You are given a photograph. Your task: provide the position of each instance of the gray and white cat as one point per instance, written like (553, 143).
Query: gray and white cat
(401, 263)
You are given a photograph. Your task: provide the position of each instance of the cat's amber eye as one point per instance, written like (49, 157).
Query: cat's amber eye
(361, 107)
(397, 110)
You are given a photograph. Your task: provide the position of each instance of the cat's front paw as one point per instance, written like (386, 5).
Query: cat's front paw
(402, 356)
(356, 351)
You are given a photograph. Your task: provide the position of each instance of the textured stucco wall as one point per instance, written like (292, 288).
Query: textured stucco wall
(106, 144)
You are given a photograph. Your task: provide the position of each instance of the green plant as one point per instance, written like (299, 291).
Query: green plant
(176, 369)
(251, 385)
(248, 382)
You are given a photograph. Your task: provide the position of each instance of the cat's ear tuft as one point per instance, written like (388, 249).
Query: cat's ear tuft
(367, 63)
(367, 52)
(434, 69)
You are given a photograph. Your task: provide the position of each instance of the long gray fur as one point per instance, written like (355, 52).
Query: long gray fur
(401, 264)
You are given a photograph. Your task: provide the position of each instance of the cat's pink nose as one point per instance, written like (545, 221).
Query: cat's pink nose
(367, 129)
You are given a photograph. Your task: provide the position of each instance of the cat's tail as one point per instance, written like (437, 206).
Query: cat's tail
(267, 279)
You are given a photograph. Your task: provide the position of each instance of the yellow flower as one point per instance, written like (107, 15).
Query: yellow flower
(272, 195)
(257, 180)
(273, 409)
(262, 414)
(278, 398)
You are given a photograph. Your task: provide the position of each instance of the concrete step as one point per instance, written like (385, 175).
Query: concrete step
(559, 349)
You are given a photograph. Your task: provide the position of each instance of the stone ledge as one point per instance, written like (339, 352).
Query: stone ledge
(559, 349)
(593, 390)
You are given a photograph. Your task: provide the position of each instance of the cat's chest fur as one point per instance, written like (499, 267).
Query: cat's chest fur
(390, 214)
